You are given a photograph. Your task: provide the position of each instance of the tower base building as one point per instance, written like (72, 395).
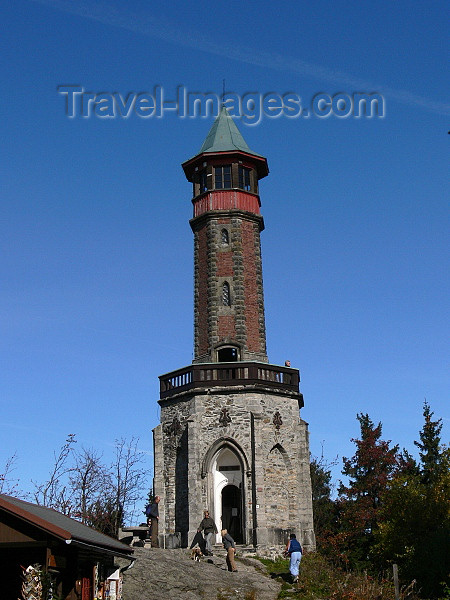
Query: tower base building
(231, 440)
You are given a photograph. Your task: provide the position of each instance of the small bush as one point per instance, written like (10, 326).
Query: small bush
(321, 580)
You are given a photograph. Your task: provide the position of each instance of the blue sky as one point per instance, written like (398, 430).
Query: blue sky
(97, 266)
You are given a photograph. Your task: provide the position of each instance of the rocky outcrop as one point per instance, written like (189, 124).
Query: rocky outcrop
(160, 574)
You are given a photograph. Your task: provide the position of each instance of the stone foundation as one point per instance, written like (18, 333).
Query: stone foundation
(241, 454)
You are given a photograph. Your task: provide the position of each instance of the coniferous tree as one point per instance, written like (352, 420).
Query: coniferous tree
(407, 465)
(430, 450)
(369, 472)
(414, 529)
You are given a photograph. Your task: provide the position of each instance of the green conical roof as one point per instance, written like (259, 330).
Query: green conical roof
(224, 136)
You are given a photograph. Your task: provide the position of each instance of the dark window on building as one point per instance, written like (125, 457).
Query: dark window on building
(227, 355)
(226, 297)
(202, 181)
(244, 178)
(222, 177)
(225, 237)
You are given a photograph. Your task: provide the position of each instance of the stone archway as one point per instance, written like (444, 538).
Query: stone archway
(228, 492)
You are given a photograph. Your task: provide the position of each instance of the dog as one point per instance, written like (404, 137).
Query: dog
(196, 554)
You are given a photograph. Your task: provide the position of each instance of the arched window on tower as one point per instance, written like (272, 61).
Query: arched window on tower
(226, 296)
(225, 237)
(228, 354)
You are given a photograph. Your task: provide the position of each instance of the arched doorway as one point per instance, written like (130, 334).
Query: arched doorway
(228, 493)
(231, 512)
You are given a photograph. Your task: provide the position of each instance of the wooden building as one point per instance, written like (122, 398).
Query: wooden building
(79, 559)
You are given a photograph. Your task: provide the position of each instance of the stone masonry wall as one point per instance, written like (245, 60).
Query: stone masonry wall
(271, 441)
(253, 288)
(237, 263)
(201, 329)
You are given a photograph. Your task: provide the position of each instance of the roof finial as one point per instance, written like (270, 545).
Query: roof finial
(223, 92)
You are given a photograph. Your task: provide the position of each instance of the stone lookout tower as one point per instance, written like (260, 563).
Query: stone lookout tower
(231, 439)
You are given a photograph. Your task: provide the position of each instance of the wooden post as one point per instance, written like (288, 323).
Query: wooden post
(396, 588)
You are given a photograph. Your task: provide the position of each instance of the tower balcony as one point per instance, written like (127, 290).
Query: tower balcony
(197, 378)
(226, 200)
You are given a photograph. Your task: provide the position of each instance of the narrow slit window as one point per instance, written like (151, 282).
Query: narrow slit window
(226, 297)
(225, 237)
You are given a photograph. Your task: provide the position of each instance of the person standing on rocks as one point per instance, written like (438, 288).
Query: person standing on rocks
(230, 547)
(153, 521)
(209, 528)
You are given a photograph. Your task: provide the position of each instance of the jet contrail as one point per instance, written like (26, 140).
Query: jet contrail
(146, 25)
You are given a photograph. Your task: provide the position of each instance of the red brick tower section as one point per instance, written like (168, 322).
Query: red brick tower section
(229, 322)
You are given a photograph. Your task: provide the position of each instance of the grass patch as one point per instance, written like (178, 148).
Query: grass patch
(320, 580)
(279, 569)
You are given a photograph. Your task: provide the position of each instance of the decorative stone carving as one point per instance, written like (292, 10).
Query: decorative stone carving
(277, 420)
(224, 418)
(174, 429)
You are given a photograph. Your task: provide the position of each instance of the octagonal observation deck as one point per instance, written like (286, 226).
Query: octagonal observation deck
(197, 378)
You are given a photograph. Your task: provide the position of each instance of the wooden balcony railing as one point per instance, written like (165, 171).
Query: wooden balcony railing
(208, 375)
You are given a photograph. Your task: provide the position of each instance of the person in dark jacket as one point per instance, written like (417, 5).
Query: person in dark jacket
(199, 541)
(209, 528)
(230, 547)
(294, 551)
(153, 521)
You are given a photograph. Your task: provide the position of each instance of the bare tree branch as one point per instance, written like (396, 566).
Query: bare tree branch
(9, 485)
(54, 493)
(129, 478)
(90, 481)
